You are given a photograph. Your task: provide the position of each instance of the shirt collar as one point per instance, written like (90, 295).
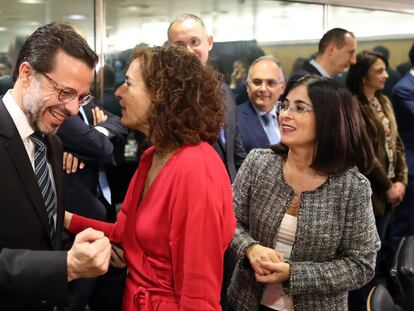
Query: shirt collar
(319, 68)
(19, 118)
(261, 113)
(412, 72)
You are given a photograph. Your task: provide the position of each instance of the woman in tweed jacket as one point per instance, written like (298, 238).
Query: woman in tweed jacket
(311, 176)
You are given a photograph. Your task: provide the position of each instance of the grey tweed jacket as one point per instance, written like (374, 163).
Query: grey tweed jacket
(336, 239)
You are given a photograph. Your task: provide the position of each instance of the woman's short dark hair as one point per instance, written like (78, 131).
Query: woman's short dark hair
(187, 99)
(358, 72)
(40, 49)
(341, 139)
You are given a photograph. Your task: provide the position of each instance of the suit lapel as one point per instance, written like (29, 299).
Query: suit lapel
(229, 131)
(88, 113)
(311, 69)
(55, 158)
(256, 127)
(411, 78)
(18, 155)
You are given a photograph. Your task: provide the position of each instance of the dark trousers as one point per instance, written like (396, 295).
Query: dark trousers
(229, 265)
(403, 218)
(358, 297)
(102, 293)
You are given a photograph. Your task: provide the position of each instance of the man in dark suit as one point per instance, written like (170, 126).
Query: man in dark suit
(52, 75)
(403, 103)
(188, 31)
(256, 117)
(336, 52)
(88, 138)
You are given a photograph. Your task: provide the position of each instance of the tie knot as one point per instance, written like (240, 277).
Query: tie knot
(267, 117)
(38, 139)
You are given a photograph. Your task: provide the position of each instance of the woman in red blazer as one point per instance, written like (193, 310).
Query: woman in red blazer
(177, 218)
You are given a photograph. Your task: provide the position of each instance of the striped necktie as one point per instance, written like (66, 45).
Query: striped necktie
(44, 181)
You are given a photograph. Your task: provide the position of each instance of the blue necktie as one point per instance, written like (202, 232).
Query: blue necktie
(222, 135)
(104, 185)
(270, 128)
(44, 181)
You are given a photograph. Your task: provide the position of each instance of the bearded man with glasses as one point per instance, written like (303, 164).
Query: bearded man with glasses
(257, 119)
(53, 74)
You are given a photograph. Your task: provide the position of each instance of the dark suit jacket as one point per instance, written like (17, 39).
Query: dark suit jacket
(240, 93)
(95, 149)
(28, 274)
(403, 103)
(232, 151)
(306, 69)
(393, 77)
(110, 102)
(251, 130)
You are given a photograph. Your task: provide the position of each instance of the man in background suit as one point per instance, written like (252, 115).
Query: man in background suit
(88, 138)
(52, 75)
(336, 52)
(403, 103)
(188, 31)
(257, 119)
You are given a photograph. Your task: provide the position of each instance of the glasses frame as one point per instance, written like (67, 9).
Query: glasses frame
(184, 44)
(270, 83)
(291, 109)
(83, 99)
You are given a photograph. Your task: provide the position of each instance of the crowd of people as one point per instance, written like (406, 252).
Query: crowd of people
(294, 199)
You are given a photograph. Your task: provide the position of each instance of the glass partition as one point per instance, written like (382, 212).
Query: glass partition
(373, 28)
(287, 30)
(19, 18)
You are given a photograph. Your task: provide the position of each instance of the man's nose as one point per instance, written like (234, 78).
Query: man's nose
(353, 59)
(262, 86)
(189, 48)
(73, 106)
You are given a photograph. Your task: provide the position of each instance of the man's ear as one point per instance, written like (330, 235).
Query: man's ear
(331, 48)
(210, 42)
(26, 74)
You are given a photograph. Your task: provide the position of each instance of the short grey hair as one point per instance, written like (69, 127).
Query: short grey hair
(183, 17)
(266, 58)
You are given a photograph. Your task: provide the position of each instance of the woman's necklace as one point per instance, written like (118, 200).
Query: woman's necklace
(293, 208)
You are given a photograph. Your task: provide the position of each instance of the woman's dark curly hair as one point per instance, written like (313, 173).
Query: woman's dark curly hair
(187, 102)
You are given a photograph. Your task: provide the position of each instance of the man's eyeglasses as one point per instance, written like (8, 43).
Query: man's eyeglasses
(194, 42)
(298, 109)
(67, 94)
(269, 82)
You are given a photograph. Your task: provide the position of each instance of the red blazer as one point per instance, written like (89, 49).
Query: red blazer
(174, 238)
